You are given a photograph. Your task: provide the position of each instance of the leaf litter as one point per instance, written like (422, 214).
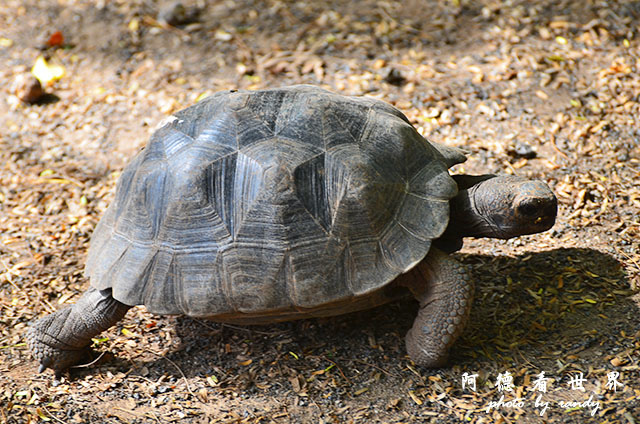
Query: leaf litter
(501, 80)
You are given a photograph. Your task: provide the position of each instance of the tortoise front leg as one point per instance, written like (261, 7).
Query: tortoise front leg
(444, 289)
(61, 339)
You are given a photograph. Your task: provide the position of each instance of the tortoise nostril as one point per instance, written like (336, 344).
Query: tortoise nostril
(528, 208)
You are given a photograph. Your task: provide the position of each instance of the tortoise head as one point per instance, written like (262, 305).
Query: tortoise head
(501, 206)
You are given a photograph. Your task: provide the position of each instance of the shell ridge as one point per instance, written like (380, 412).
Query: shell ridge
(317, 192)
(220, 191)
(225, 280)
(349, 268)
(246, 190)
(110, 269)
(419, 237)
(173, 142)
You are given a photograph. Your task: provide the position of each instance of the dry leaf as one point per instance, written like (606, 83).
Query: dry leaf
(47, 73)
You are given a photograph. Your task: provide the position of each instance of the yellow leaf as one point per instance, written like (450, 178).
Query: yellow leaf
(202, 96)
(58, 180)
(42, 416)
(134, 25)
(222, 35)
(5, 42)
(33, 399)
(45, 72)
(415, 398)
(556, 58)
(561, 40)
(541, 94)
(330, 38)
(379, 64)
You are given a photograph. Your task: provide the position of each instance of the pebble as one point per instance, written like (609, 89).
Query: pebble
(27, 88)
(522, 150)
(395, 77)
(175, 13)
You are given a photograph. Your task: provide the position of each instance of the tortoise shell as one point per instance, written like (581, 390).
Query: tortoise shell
(272, 202)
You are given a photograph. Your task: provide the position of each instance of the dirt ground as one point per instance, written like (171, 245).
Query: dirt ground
(544, 89)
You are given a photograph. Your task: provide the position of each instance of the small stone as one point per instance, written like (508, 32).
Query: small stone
(175, 13)
(172, 13)
(27, 88)
(395, 77)
(522, 150)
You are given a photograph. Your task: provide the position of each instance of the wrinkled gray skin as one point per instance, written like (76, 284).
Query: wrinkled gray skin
(273, 209)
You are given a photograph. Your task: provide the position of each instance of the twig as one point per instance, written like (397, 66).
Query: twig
(339, 370)
(53, 416)
(13, 346)
(628, 257)
(148, 20)
(376, 367)
(90, 363)
(179, 370)
(250, 330)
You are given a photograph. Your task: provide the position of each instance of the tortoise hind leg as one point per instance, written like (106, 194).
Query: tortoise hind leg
(444, 289)
(61, 339)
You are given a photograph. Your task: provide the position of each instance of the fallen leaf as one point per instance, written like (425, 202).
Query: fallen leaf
(223, 35)
(46, 73)
(42, 416)
(56, 39)
(414, 397)
(134, 25)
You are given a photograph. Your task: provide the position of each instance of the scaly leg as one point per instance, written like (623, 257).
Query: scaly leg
(444, 289)
(60, 340)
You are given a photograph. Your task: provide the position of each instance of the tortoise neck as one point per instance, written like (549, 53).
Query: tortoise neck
(465, 218)
(466, 215)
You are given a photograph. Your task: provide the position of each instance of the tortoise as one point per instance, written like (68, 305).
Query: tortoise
(263, 206)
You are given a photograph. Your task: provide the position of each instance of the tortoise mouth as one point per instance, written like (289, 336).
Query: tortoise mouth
(525, 226)
(544, 222)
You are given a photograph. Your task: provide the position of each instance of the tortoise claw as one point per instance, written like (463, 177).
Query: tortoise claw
(48, 350)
